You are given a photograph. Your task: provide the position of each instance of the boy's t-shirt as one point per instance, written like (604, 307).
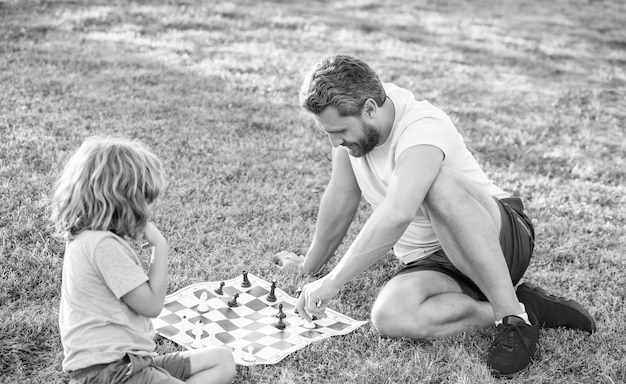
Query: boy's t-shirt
(96, 326)
(416, 123)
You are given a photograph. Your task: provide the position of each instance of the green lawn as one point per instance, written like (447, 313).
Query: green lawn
(538, 89)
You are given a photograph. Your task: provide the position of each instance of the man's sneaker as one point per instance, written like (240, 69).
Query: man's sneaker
(514, 347)
(552, 311)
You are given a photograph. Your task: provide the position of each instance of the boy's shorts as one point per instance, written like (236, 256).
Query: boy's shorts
(517, 240)
(169, 368)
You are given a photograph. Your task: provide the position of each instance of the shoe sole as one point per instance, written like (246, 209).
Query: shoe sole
(573, 315)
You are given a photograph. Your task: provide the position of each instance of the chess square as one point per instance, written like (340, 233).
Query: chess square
(240, 333)
(189, 301)
(269, 330)
(282, 344)
(255, 316)
(199, 292)
(310, 334)
(255, 326)
(256, 304)
(240, 311)
(172, 318)
(215, 316)
(241, 322)
(225, 338)
(217, 302)
(168, 330)
(254, 336)
(267, 353)
(226, 325)
(230, 291)
(174, 306)
(258, 291)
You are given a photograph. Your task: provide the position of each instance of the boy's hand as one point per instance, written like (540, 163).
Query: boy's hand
(153, 235)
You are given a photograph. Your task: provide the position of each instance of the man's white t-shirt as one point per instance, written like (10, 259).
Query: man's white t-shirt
(416, 123)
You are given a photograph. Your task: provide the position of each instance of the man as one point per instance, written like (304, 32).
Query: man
(463, 242)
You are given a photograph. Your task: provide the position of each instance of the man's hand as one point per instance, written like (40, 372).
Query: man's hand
(289, 262)
(315, 297)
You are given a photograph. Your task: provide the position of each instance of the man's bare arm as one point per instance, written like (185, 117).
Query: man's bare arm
(336, 212)
(415, 172)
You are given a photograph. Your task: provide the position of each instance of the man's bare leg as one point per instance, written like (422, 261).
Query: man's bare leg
(467, 223)
(427, 304)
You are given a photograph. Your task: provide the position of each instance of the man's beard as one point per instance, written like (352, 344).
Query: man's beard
(366, 144)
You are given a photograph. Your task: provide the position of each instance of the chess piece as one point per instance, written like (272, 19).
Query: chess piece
(185, 324)
(280, 314)
(220, 290)
(233, 302)
(245, 283)
(198, 331)
(249, 356)
(308, 324)
(203, 306)
(272, 295)
(281, 324)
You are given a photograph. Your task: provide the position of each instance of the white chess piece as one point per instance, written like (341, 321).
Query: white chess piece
(198, 331)
(185, 325)
(249, 356)
(203, 306)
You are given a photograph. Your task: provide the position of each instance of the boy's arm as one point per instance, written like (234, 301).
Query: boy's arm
(147, 299)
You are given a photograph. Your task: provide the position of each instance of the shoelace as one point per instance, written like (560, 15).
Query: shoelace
(509, 335)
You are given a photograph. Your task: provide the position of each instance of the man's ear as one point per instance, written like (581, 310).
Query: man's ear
(369, 110)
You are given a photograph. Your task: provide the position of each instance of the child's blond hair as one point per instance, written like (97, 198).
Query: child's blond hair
(107, 184)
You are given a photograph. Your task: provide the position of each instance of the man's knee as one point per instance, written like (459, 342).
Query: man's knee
(395, 321)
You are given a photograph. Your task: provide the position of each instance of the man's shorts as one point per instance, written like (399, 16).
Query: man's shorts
(517, 240)
(169, 368)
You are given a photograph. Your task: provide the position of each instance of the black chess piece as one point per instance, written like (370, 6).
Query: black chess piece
(245, 283)
(281, 324)
(220, 290)
(233, 302)
(280, 314)
(272, 295)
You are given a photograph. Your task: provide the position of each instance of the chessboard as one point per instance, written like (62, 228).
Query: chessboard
(258, 320)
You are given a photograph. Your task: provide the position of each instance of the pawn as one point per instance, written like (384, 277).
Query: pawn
(203, 306)
(245, 283)
(281, 324)
(249, 356)
(272, 295)
(280, 314)
(220, 290)
(198, 331)
(233, 302)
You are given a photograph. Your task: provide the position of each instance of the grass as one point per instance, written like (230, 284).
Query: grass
(537, 88)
